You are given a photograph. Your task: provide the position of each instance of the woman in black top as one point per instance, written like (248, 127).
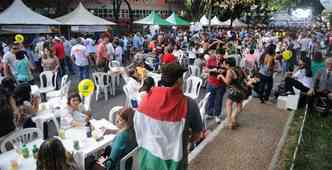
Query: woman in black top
(7, 103)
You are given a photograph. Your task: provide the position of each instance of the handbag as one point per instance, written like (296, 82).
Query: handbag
(240, 91)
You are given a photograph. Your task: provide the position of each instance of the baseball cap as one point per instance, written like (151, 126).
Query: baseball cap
(170, 73)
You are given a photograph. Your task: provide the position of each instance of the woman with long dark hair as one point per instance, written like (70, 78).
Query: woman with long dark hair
(148, 83)
(52, 155)
(301, 79)
(7, 115)
(122, 144)
(238, 88)
(266, 70)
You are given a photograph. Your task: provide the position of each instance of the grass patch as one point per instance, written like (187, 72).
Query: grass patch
(315, 150)
(286, 155)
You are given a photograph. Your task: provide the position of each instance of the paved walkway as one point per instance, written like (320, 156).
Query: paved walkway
(250, 147)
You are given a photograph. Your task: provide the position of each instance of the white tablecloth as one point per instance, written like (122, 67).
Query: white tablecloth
(87, 146)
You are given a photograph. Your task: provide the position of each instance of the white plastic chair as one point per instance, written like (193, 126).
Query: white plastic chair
(50, 84)
(126, 91)
(102, 83)
(112, 114)
(202, 108)
(23, 136)
(193, 87)
(194, 70)
(115, 77)
(115, 63)
(131, 154)
(63, 92)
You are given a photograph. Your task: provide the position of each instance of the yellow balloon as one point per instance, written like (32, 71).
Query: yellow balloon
(286, 55)
(19, 38)
(86, 87)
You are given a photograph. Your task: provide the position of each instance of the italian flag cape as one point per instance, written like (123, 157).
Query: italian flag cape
(159, 123)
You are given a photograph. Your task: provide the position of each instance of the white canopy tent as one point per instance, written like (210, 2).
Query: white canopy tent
(238, 23)
(204, 21)
(90, 28)
(26, 29)
(82, 17)
(226, 23)
(19, 14)
(216, 22)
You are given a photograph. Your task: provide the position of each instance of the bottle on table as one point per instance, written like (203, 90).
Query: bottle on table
(25, 151)
(88, 129)
(35, 151)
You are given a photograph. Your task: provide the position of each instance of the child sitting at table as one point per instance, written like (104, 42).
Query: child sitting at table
(74, 114)
(122, 144)
(52, 155)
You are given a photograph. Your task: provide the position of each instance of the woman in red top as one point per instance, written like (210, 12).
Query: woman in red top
(215, 86)
(168, 57)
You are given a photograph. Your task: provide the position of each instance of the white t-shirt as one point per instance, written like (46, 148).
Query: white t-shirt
(110, 50)
(80, 54)
(39, 49)
(10, 59)
(68, 116)
(305, 44)
(119, 54)
(301, 77)
(89, 43)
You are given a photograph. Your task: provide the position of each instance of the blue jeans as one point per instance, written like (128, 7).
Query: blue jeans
(265, 87)
(69, 65)
(84, 72)
(214, 105)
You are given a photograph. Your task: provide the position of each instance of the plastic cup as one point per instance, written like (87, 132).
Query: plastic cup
(76, 144)
(13, 165)
(62, 133)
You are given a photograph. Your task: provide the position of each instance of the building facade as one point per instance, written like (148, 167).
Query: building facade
(140, 8)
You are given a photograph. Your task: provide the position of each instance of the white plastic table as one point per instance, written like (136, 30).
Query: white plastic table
(88, 146)
(50, 111)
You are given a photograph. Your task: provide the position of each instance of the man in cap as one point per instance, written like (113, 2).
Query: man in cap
(165, 122)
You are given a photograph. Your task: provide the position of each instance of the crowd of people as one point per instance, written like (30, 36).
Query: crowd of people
(235, 64)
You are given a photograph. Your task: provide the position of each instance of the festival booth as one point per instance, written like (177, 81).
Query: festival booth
(177, 21)
(153, 19)
(81, 20)
(238, 24)
(226, 23)
(19, 18)
(216, 22)
(204, 21)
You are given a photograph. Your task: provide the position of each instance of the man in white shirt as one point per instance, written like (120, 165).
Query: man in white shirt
(80, 55)
(306, 44)
(110, 51)
(9, 62)
(118, 52)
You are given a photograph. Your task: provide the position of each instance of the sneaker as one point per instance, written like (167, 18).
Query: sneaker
(218, 120)
(209, 116)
